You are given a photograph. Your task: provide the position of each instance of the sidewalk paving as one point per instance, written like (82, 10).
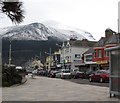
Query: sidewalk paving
(24, 79)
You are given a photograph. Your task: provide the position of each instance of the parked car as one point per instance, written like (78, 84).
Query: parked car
(100, 75)
(42, 72)
(53, 73)
(75, 73)
(87, 74)
(29, 70)
(81, 75)
(63, 74)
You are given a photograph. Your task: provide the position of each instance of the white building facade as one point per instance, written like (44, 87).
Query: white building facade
(71, 55)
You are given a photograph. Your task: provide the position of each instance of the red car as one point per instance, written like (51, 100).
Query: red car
(100, 75)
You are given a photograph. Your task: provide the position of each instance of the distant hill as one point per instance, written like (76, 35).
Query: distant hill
(29, 40)
(23, 50)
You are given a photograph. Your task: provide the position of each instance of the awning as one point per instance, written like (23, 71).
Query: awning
(90, 63)
(102, 62)
(79, 64)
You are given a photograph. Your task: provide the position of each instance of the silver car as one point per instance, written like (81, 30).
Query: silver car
(63, 74)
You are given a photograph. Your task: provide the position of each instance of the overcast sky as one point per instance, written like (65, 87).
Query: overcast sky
(93, 16)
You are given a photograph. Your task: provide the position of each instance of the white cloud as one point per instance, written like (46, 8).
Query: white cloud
(91, 15)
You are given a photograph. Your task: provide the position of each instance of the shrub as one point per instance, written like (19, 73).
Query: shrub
(10, 76)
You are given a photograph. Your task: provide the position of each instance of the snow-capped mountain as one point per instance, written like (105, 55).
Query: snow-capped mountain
(42, 31)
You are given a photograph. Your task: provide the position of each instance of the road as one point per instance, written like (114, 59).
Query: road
(53, 89)
(86, 82)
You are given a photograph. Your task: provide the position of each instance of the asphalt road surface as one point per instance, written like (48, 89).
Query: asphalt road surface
(53, 89)
(86, 82)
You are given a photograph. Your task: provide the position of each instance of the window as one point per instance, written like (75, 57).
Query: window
(67, 49)
(88, 57)
(99, 53)
(70, 58)
(95, 53)
(77, 56)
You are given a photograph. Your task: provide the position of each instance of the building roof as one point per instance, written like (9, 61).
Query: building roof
(90, 50)
(81, 43)
(101, 42)
(114, 39)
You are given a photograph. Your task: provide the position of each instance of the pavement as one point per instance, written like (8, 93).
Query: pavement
(53, 89)
(24, 79)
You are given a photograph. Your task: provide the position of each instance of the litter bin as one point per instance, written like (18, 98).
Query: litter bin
(114, 65)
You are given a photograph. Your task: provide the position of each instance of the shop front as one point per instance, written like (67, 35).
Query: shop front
(103, 65)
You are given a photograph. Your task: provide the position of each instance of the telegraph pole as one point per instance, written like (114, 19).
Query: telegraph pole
(50, 59)
(40, 55)
(10, 54)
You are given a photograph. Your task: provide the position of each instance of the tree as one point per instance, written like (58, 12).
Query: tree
(13, 10)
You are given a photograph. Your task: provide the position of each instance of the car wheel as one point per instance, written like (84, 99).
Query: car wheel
(101, 80)
(90, 79)
(74, 77)
(69, 77)
(50, 76)
(60, 76)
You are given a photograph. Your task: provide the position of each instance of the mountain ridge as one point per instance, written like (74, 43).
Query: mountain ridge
(41, 32)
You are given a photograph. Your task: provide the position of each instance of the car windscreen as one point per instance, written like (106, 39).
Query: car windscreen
(66, 71)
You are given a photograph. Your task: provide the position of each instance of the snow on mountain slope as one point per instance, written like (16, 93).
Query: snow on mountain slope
(65, 28)
(39, 31)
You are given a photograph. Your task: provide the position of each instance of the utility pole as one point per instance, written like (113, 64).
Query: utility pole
(10, 54)
(40, 55)
(63, 49)
(50, 60)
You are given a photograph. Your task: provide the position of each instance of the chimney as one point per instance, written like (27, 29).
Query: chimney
(108, 33)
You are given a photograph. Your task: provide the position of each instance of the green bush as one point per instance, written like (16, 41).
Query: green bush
(10, 76)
